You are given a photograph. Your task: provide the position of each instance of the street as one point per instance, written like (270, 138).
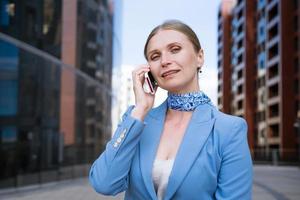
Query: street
(270, 183)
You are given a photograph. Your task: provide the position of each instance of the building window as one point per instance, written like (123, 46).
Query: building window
(273, 70)
(274, 129)
(261, 4)
(273, 32)
(240, 59)
(240, 29)
(240, 14)
(9, 83)
(240, 44)
(273, 51)
(262, 60)
(262, 98)
(261, 82)
(219, 63)
(273, 91)
(7, 12)
(219, 88)
(234, 61)
(273, 12)
(8, 134)
(8, 100)
(240, 89)
(240, 74)
(219, 75)
(219, 100)
(240, 104)
(261, 116)
(219, 50)
(261, 33)
(274, 110)
(220, 39)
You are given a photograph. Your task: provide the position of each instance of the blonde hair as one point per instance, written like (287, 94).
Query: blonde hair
(175, 25)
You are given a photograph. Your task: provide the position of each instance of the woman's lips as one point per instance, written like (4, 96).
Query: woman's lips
(168, 73)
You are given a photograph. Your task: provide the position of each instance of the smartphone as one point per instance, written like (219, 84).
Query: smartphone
(150, 83)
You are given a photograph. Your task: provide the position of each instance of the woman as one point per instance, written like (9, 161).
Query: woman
(185, 148)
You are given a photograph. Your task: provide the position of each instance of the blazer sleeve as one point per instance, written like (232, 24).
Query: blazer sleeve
(235, 175)
(109, 173)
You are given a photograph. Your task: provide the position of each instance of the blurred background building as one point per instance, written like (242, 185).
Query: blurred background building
(259, 72)
(123, 93)
(55, 88)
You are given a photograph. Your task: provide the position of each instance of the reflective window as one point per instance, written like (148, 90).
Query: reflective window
(261, 4)
(8, 80)
(261, 30)
(261, 60)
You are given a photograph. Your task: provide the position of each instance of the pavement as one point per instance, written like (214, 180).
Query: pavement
(270, 183)
(276, 183)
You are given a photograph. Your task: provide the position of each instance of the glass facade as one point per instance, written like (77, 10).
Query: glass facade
(8, 79)
(36, 22)
(54, 118)
(32, 147)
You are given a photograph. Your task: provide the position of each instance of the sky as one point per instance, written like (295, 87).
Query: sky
(139, 17)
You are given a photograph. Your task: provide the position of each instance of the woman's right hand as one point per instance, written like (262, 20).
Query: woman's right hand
(143, 101)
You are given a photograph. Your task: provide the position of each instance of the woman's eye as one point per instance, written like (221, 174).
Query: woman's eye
(175, 49)
(154, 57)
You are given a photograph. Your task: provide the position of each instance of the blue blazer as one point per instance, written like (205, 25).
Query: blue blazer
(212, 162)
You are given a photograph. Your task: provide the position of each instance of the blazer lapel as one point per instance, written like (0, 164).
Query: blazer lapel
(149, 144)
(193, 141)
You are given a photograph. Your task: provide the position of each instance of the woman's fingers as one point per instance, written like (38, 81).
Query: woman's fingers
(143, 100)
(139, 74)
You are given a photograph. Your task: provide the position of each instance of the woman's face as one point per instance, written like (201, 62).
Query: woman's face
(173, 61)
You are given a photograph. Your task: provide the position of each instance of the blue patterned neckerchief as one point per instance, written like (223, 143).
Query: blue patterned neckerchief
(187, 101)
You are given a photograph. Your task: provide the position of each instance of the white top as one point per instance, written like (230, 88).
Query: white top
(160, 175)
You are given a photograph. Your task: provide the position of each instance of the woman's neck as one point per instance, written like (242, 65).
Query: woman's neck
(192, 88)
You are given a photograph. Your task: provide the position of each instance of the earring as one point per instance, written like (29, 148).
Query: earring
(199, 70)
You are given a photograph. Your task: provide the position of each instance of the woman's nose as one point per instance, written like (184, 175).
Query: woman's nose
(165, 60)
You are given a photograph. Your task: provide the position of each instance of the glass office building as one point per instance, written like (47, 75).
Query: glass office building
(40, 140)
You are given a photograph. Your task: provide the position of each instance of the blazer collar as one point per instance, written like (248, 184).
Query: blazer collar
(194, 139)
(159, 112)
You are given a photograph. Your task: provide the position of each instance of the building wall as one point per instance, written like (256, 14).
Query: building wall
(288, 93)
(296, 64)
(264, 85)
(224, 55)
(68, 56)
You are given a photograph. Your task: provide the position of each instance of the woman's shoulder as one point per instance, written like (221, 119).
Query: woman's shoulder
(227, 125)
(223, 119)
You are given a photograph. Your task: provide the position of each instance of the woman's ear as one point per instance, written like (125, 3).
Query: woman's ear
(200, 57)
